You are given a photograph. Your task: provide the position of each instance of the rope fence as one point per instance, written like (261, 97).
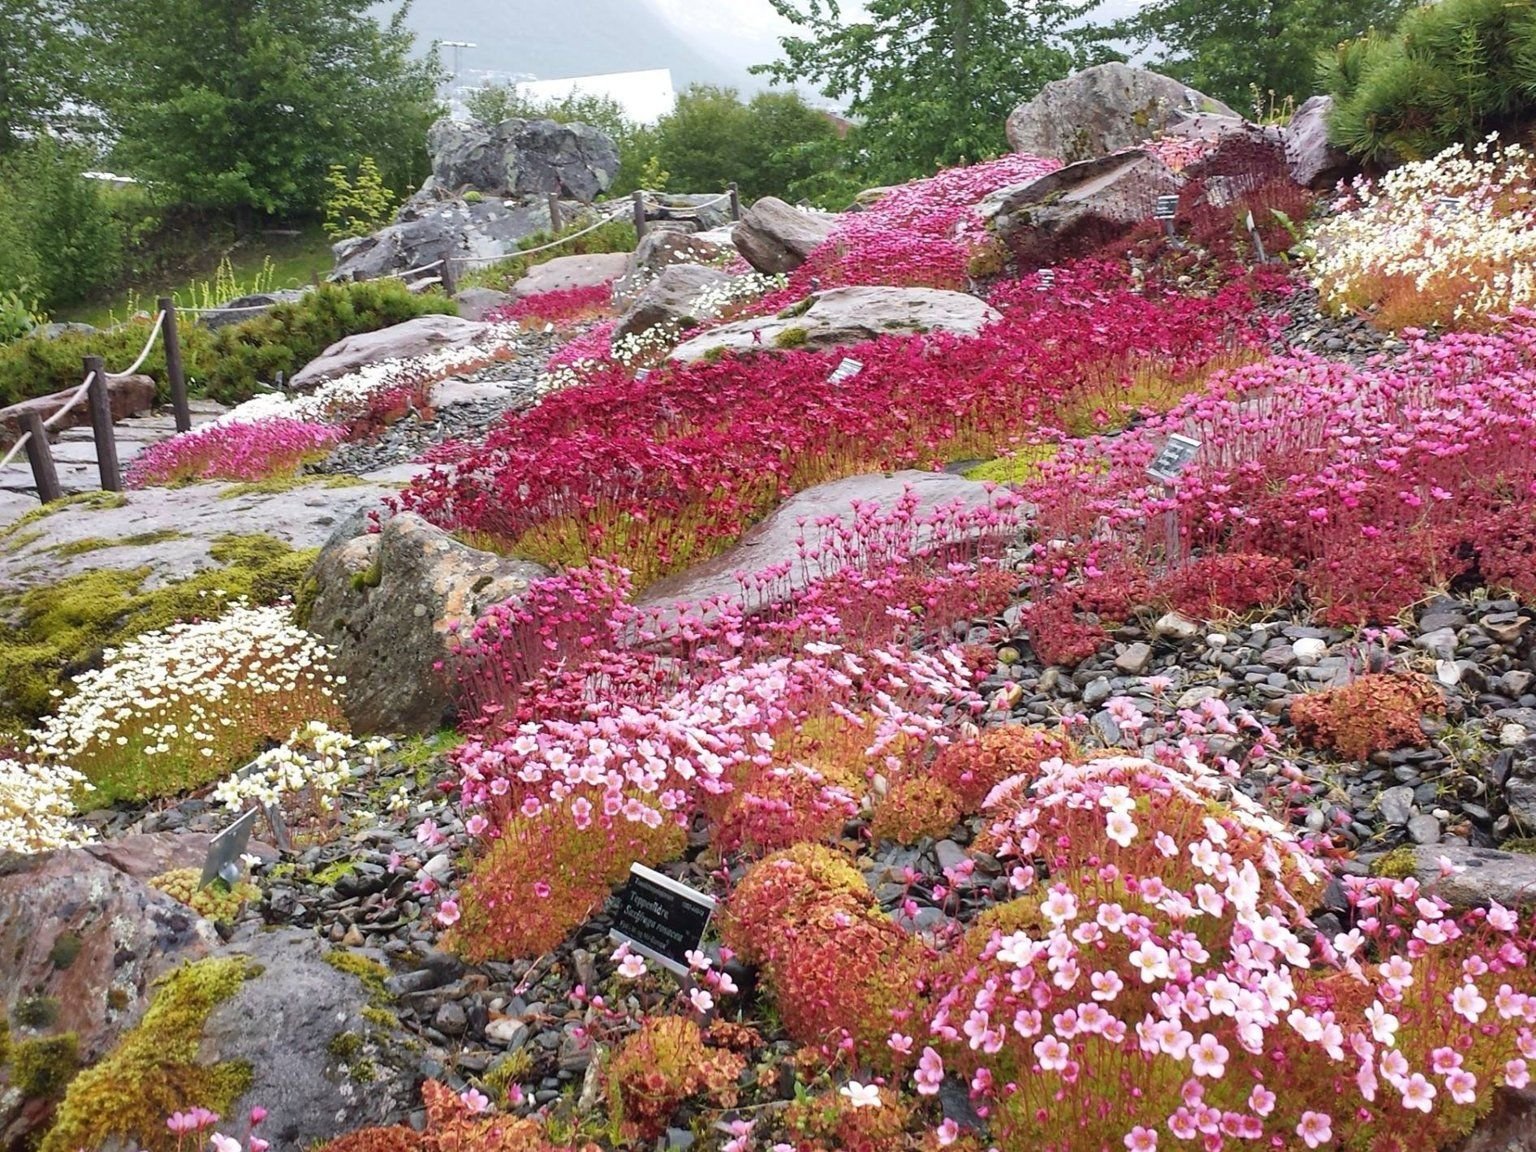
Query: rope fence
(95, 388)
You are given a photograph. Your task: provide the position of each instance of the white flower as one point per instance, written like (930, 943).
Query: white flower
(861, 1095)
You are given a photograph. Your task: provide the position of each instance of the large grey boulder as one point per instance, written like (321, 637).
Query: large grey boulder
(775, 237)
(1103, 109)
(842, 316)
(663, 248)
(1314, 162)
(427, 230)
(477, 303)
(1078, 207)
(319, 1066)
(389, 603)
(670, 299)
(415, 337)
(1478, 876)
(808, 517)
(522, 158)
(585, 271)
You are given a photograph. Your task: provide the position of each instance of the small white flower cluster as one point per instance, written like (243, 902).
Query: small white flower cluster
(1459, 226)
(717, 297)
(315, 757)
(348, 395)
(37, 809)
(190, 691)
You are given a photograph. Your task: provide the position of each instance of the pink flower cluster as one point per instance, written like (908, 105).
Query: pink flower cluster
(1174, 988)
(1375, 482)
(260, 450)
(921, 233)
(560, 307)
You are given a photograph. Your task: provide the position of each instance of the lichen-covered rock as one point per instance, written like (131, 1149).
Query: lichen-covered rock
(1100, 110)
(1077, 207)
(388, 603)
(776, 237)
(669, 299)
(659, 249)
(83, 934)
(318, 1064)
(844, 316)
(1477, 876)
(427, 229)
(522, 158)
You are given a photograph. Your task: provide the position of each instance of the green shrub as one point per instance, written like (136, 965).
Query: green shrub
(1450, 74)
(66, 243)
(289, 336)
(226, 364)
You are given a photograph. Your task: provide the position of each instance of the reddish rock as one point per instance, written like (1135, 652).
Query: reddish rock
(79, 931)
(130, 396)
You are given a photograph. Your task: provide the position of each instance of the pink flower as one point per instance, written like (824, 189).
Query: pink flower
(632, 967)
(929, 1074)
(223, 1143)
(1419, 1093)
(1140, 1139)
(474, 1101)
(448, 913)
(1316, 1128)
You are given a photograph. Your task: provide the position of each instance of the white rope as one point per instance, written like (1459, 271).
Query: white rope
(15, 448)
(144, 355)
(242, 308)
(541, 248)
(71, 402)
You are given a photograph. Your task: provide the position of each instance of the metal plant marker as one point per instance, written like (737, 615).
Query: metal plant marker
(225, 850)
(661, 919)
(1258, 241)
(1166, 209)
(846, 369)
(1046, 281)
(1176, 454)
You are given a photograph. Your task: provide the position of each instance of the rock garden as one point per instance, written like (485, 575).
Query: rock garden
(1055, 642)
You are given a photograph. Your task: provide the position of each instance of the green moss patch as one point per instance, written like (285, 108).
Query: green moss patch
(154, 1070)
(370, 973)
(97, 543)
(61, 630)
(44, 1066)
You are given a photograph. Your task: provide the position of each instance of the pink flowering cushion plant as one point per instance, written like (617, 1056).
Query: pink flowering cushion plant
(1158, 975)
(261, 450)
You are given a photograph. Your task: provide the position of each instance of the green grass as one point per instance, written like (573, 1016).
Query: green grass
(295, 262)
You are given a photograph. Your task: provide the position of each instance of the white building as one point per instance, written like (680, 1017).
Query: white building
(645, 96)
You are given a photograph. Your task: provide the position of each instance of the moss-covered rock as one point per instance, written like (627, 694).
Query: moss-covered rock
(154, 1070)
(44, 1065)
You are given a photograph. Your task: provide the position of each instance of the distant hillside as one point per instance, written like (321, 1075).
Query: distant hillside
(550, 39)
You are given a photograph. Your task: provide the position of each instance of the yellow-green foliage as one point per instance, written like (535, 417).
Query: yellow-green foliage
(218, 901)
(791, 338)
(370, 973)
(1397, 864)
(5, 1041)
(44, 1065)
(1022, 466)
(154, 1069)
(61, 629)
(356, 206)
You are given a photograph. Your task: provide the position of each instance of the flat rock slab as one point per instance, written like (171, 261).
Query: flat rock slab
(776, 540)
(302, 517)
(844, 316)
(565, 272)
(431, 333)
(128, 396)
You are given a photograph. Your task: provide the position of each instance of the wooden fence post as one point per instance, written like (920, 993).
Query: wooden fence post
(101, 426)
(639, 198)
(447, 278)
(735, 200)
(40, 456)
(173, 369)
(555, 222)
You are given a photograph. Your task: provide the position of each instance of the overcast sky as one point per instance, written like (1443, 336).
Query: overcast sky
(747, 31)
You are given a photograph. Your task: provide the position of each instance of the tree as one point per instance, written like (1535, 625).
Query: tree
(244, 105)
(768, 145)
(1248, 51)
(934, 80)
(39, 69)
